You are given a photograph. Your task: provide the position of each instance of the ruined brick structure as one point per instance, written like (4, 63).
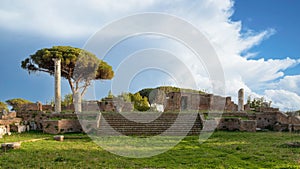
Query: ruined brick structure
(61, 126)
(178, 101)
(35, 107)
(9, 119)
(236, 124)
(37, 116)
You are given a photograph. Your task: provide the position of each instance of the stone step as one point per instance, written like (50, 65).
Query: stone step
(9, 146)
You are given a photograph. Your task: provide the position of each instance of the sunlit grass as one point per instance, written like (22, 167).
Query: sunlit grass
(221, 150)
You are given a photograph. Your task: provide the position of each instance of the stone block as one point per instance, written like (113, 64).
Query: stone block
(9, 146)
(59, 138)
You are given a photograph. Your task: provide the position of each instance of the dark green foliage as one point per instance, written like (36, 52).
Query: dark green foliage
(17, 103)
(42, 61)
(146, 92)
(68, 100)
(77, 65)
(256, 102)
(140, 103)
(3, 106)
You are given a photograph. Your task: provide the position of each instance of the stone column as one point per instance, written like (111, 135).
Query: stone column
(57, 82)
(241, 100)
(77, 102)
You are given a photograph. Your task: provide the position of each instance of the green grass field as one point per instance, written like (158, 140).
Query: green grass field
(221, 150)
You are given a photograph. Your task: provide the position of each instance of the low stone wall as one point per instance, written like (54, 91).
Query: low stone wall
(53, 123)
(61, 126)
(266, 120)
(10, 121)
(9, 115)
(19, 128)
(248, 125)
(266, 109)
(230, 124)
(236, 124)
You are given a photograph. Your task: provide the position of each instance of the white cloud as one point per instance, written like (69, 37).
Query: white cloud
(285, 100)
(64, 19)
(77, 19)
(291, 83)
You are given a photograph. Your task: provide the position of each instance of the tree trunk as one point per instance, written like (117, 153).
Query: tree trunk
(77, 101)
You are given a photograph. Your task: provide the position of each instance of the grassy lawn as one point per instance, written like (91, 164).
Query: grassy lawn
(221, 150)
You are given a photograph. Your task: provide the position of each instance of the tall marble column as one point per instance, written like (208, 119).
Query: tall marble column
(241, 100)
(57, 86)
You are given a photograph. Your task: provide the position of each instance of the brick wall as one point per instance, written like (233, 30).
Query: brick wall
(177, 101)
(248, 125)
(266, 120)
(237, 124)
(61, 126)
(9, 115)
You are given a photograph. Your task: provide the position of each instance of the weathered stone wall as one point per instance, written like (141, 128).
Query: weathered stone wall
(266, 120)
(176, 101)
(90, 106)
(69, 108)
(237, 124)
(277, 121)
(19, 128)
(31, 107)
(205, 101)
(266, 109)
(107, 106)
(230, 124)
(230, 105)
(217, 103)
(282, 118)
(10, 121)
(51, 126)
(9, 115)
(248, 125)
(37, 118)
(61, 126)
(173, 101)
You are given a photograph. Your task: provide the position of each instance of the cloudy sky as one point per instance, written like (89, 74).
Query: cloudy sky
(256, 42)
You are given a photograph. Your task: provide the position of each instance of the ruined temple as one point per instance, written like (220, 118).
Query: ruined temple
(179, 101)
(207, 108)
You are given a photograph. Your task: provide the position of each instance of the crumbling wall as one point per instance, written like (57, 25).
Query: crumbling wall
(248, 125)
(174, 102)
(217, 103)
(237, 124)
(230, 124)
(61, 126)
(114, 105)
(230, 105)
(9, 115)
(266, 120)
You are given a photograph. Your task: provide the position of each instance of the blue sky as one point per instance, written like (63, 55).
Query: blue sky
(281, 16)
(256, 41)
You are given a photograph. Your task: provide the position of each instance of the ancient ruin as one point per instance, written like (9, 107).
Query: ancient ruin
(9, 122)
(96, 115)
(57, 86)
(241, 100)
